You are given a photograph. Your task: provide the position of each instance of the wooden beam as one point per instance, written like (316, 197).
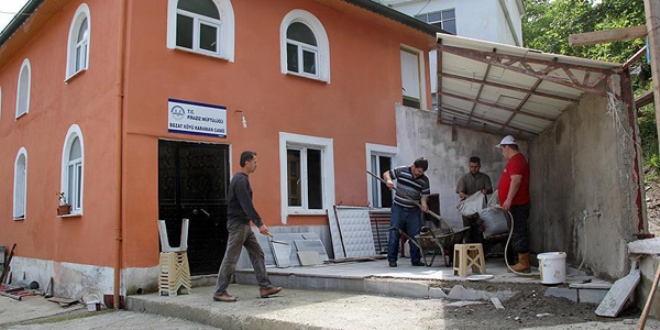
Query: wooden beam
(494, 123)
(644, 99)
(634, 58)
(592, 38)
(496, 106)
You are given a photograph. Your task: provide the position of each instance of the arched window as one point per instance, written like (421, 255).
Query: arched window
(20, 184)
(73, 160)
(78, 44)
(305, 50)
(202, 26)
(23, 90)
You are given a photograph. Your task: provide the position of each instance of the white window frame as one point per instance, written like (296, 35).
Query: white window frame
(425, 18)
(72, 58)
(291, 141)
(322, 49)
(422, 75)
(224, 26)
(377, 150)
(74, 132)
(26, 69)
(20, 214)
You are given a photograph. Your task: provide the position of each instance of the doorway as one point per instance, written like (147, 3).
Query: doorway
(192, 183)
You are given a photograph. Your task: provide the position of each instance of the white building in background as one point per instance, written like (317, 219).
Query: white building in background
(490, 20)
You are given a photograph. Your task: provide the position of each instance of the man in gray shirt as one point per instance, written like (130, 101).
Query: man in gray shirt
(240, 210)
(469, 184)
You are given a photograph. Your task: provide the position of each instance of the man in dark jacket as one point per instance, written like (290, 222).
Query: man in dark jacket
(240, 210)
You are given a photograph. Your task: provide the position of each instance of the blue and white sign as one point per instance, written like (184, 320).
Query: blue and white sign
(196, 118)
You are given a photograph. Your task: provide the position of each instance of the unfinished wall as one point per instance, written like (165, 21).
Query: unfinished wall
(583, 162)
(448, 150)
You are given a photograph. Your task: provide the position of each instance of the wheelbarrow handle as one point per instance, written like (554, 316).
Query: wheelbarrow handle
(433, 214)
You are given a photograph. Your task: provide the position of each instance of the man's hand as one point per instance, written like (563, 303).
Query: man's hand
(389, 184)
(484, 191)
(264, 230)
(425, 207)
(462, 195)
(507, 205)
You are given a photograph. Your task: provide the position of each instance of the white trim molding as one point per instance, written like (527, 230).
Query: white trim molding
(317, 28)
(380, 150)
(26, 69)
(20, 211)
(74, 131)
(226, 26)
(72, 43)
(327, 171)
(423, 105)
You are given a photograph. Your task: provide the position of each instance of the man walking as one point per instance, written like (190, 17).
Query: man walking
(469, 184)
(240, 211)
(410, 182)
(513, 191)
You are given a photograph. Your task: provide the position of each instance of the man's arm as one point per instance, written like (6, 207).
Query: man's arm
(516, 180)
(489, 186)
(241, 192)
(425, 205)
(388, 180)
(461, 189)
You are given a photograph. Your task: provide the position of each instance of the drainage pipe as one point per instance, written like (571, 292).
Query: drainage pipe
(121, 45)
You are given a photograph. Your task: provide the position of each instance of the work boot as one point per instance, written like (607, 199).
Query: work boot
(265, 293)
(523, 263)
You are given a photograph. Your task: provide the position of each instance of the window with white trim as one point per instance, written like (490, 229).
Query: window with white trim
(78, 43)
(307, 174)
(23, 90)
(202, 26)
(380, 158)
(444, 19)
(73, 169)
(305, 50)
(20, 184)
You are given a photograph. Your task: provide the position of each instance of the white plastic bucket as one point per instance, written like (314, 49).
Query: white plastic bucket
(93, 303)
(552, 266)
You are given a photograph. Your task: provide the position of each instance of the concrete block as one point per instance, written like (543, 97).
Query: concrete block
(645, 246)
(570, 294)
(458, 292)
(390, 287)
(437, 293)
(591, 296)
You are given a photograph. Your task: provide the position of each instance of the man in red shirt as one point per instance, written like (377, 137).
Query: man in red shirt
(513, 191)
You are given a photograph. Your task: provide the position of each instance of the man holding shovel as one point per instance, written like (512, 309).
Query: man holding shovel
(410, 182)
(239, 212)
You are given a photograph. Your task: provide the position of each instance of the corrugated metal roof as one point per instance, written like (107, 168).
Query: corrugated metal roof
(505, 89)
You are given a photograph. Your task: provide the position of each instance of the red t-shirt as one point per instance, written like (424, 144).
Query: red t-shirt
(517, 165)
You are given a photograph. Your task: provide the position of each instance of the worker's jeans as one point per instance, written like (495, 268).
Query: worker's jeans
(520, 215)
(408, 220)
(241, 235)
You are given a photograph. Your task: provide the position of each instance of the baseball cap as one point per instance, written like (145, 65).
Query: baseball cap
(506, 141)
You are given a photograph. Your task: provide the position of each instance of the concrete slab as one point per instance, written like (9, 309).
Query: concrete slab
(618, 295)
(31, 308)
(645, 246)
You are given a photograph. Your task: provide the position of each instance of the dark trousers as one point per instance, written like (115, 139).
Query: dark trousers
(241, 235)
(520, 215)
(410, 221)
(474, 235)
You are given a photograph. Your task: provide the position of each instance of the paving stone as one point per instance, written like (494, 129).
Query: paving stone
(437, 293)
(591, 296)
(570, 294)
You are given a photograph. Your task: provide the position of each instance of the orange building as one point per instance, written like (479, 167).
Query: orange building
(132, 111)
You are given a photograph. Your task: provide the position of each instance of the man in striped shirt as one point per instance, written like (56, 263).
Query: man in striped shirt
(411, 183)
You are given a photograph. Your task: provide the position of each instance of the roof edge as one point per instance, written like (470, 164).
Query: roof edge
(397, 16)
(23, 15)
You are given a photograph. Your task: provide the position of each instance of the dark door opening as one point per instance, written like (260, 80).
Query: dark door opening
(192, 183)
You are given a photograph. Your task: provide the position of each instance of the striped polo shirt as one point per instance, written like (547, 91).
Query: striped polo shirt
(406, 184)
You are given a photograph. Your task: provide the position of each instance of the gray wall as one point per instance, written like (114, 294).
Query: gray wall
(583, 163)
(418, 134)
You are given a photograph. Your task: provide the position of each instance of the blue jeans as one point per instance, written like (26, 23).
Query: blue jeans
(410, 221)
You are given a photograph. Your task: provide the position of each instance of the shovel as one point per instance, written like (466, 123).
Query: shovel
(274, 241)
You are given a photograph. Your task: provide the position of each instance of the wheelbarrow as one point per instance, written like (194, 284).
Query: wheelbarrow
(440, 241)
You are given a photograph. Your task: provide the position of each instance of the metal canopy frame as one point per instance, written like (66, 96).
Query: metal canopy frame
(503, 89)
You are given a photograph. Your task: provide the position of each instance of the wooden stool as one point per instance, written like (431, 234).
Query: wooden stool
(469, 255)
(173, 273)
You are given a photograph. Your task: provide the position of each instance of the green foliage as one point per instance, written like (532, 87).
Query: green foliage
(548, 24)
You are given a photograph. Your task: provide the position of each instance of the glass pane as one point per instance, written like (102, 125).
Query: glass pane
(78, 195)
(75, 152)
(184, 31)
(82, 32)
(70, 184)
(314, 184)
(375, 184)
(423, 18)
(292, 57)
(208, 39)
(293, 177)
(23, 91)
(435, 17)
(203, 7)
(78, 58)
(300, 32)
(449, 26)
(386, 194)
(447, 14)
(309, 62)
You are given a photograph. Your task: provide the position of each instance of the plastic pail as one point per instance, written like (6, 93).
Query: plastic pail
(552, 266)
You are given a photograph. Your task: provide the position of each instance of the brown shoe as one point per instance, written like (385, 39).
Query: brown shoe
(265, 293)
(226, 297)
